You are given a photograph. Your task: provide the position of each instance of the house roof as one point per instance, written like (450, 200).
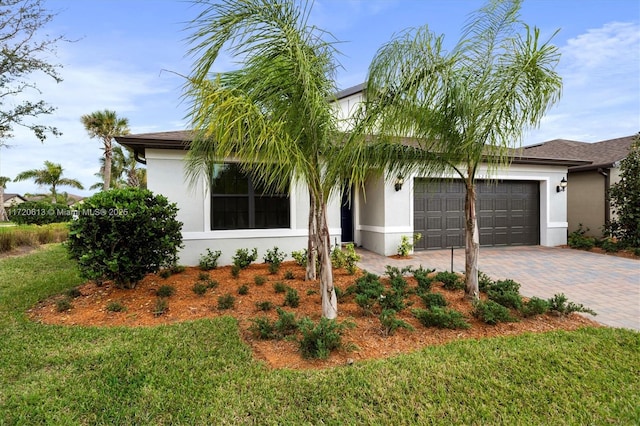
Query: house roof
(8, 196)
(603, 154)
(180, 139)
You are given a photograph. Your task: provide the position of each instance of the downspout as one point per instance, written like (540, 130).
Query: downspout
(607, 203)
(136, 155)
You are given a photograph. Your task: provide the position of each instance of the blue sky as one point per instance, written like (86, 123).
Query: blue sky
(128, 56)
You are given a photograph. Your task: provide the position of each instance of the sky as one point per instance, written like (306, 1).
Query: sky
(131, 55)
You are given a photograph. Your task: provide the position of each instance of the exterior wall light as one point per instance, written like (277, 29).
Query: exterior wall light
(399, 183)
(563, 185)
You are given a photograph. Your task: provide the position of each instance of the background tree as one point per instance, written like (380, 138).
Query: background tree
(105, 125)
(3, 186)
(124, 170)
(24, 49)
(462, 108)
(273, 114)
(625, 199)
(50, 175)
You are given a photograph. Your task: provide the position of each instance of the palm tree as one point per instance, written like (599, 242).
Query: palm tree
(105, 125)
(272, 114)
(3, 186)
(124, 170)
(51, 175)
(464, 108)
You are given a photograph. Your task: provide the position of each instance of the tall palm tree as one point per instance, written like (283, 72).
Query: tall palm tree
(124, 170)
(462, 108)
(3, 186)
(105, 125)
(51, 176)
(272, 114)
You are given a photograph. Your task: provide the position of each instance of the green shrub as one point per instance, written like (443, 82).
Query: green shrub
(365, 302)
(39, 213)
(491, 312)
(390, 323)
(161, 307)
(578, 240)
(226, 302)
(508, 299)
(209, 260)
(561, 305)
(433, 299)
(292, 298)
(300, 257)
(164, 273)
(262, 328)
(318, 340)
(200, 288)
(368, 284)
(63, 305)
(243, 290)
(610, 245)
(165, 291)
(116, 307)
(534, 306)
(450, 280)
(422, 278)
(338, 257)
(351, 257)
(203, 276)
(264, 306)
(441, 318)
(235, 271)
(274, 258)
(211, 283)
(243, 259)
(288, 275)
(279, 287)
(484, 282)
(392, 300)
(177, 269)
(286, 323)
(259, 280)
(123, 234)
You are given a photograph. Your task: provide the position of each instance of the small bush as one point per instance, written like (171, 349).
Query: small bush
(200, 288)
(288, 275)
(235, 271)
(390, 323)
(422, 278)
(561, 305)
(577, 239)
(135, 233)
(433, 299)
(610, 245)
(534, 306)
(63, 305)
(242, 259)
(161, 307)
(177, 269)
(73, 292)
(226, 302)
(292, 298)
(338, 257)
(506, 293)
(491, 312)
(368, 284)
(115, 307)
(203, 276)
(262, 328)
(318, 340)
(441, 318)
(279, 287)
(209, 260)
(165, 291)
(259, 280)
(264, 306)
(211, 283)
(300, 257)
(274, 258)
(351, 257)
(286, 323)
(392, 300)
(38, 213)
(484, 282)
(450, 280)
(164, 273)
(365, 302)
(399, 284)
(243, 290)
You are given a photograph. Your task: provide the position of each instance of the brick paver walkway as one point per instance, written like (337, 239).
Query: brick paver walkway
(607, 284)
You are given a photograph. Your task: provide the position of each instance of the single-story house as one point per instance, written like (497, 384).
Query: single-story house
(517, 206)
(588, 197)
(11, 200)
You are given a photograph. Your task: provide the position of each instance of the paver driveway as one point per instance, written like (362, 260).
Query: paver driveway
(607, 284)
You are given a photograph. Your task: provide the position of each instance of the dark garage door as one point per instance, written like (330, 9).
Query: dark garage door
(508, 213)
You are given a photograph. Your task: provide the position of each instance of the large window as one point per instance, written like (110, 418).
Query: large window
(237, 202)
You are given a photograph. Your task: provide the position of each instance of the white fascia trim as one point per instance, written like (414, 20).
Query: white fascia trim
(250, 233)
(558, 225)
(386, 229)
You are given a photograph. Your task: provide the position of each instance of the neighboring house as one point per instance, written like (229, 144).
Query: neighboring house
(71, 199)
(11, 200)
(588, 184)
(516, 206)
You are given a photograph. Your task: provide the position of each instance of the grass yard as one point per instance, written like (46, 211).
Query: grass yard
(202, 373)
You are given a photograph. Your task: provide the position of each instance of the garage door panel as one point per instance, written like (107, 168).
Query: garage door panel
(508, 213)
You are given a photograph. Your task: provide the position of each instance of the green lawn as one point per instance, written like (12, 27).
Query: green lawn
(202, 373)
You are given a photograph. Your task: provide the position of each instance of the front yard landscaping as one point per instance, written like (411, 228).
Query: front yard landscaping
(202, 371)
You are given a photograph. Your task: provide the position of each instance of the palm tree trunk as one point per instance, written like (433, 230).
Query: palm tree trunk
(323, 244)
(3, 212)
(107, 165)
(54, 194)
(311, 249)
(472, 243)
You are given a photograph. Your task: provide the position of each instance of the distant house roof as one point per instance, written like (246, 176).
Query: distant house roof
(604, 154)
(13, 197)
(71, 198)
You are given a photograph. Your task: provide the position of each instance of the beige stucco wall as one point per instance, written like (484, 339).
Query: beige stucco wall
(586, 201)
